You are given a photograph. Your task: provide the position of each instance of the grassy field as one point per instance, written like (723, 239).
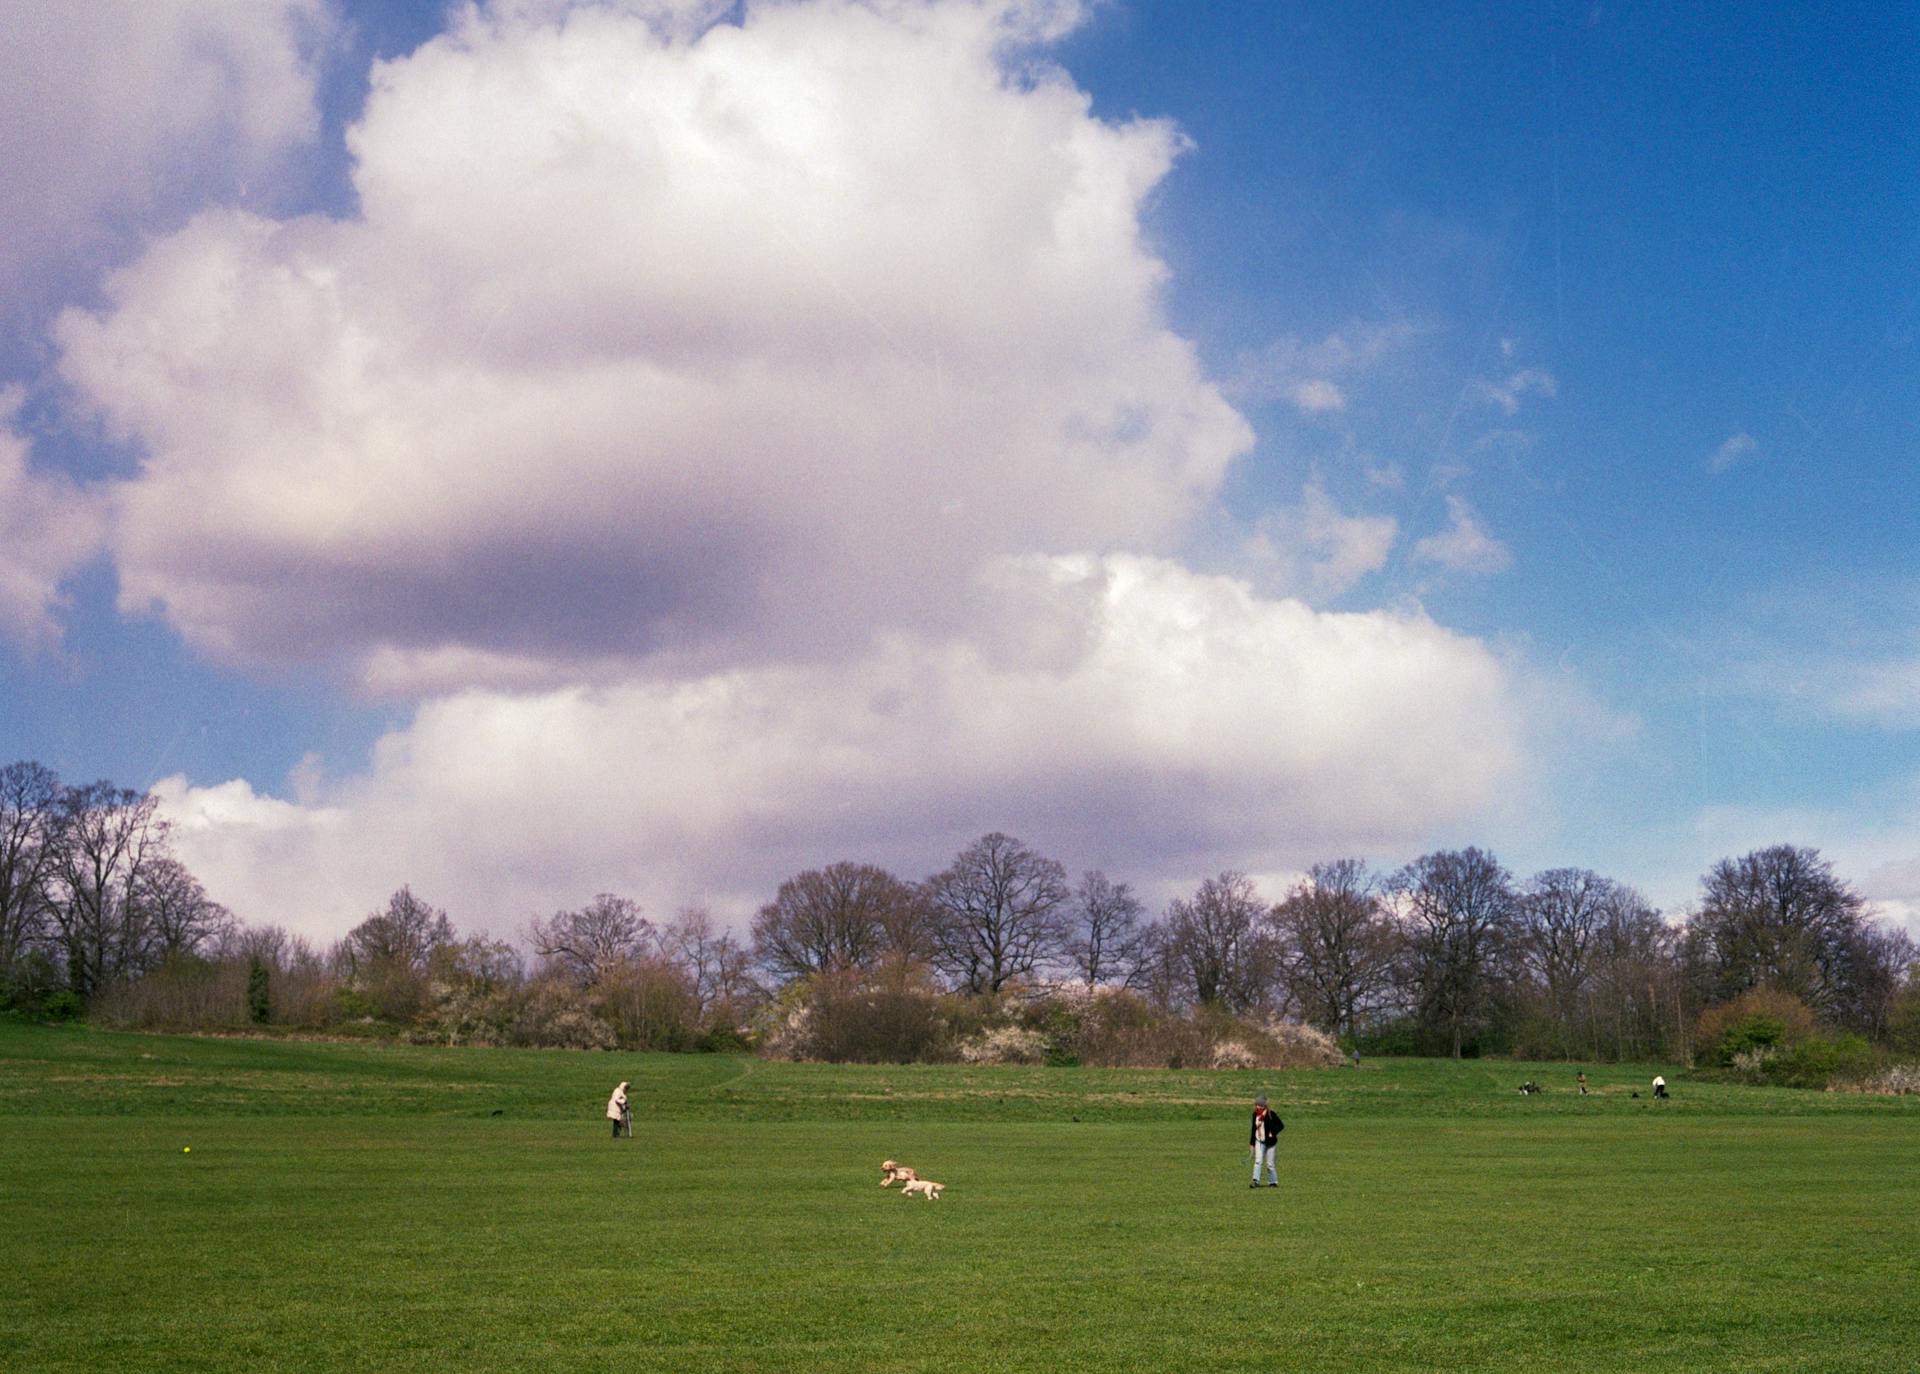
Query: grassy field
(382, 1207)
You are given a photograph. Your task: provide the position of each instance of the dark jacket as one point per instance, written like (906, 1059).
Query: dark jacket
(1273, 1126)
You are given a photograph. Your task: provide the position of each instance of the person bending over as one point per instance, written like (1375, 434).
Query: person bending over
(1263, 1136)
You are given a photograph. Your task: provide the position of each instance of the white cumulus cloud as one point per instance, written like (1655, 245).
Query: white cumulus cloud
(116, 112)
(1320, 550)
(48, 528)
(749, 444)
(674, 351)
(1465, 545)
(1196, 726)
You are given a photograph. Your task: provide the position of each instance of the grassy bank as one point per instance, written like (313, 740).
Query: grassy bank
(350, 1206)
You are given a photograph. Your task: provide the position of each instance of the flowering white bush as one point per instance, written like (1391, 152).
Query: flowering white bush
(783, 1029)
(1005, 1045)
(1231, 1054)
(1754, 1061)
(1895, 1080)
(577, 1029)
(1302, 1046)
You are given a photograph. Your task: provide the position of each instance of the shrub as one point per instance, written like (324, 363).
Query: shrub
(1752, 1037)
(1894, 1080)
(1231, 1054)
(62, 1005)
(891, 1015)
(259, 1001)
(1121, 1029)
(1301, 1046)
(1764, 1016)
(1005, 1045)
(781, 1024)
(349, 1004)
(554, 1013)
(1753, 1062)
(1821, 1060)
(1818, 1061)
(460, 1012)
(1903, 1020)
(1400, 1036)
(723, 1040)
(648, 1003)
(184, 993)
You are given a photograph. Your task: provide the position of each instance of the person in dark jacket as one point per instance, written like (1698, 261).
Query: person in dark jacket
(1263, 1136)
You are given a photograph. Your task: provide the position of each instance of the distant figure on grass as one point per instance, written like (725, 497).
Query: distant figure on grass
(1659, 1086)
(1262, 1138)
(1356, 1056)
(1581, 1078)
(619, 1113)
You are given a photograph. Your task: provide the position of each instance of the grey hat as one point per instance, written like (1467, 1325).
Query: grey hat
(1259, 1101)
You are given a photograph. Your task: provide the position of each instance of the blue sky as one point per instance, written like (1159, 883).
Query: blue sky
(1516, 408)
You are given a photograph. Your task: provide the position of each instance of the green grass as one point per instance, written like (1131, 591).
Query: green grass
(361, 1207)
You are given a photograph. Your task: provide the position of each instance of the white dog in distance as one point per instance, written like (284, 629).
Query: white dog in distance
(924, 1186)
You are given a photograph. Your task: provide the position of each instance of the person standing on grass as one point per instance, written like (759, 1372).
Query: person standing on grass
(1582, 1077)
(1263, 1137)
(618, 1112)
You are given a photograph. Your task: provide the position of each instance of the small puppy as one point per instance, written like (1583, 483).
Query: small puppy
(889, 1171)
(924, 1186)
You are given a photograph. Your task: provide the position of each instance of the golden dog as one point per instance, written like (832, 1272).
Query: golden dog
(890, 1171)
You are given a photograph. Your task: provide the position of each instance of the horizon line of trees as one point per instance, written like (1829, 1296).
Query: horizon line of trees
(1448, 954)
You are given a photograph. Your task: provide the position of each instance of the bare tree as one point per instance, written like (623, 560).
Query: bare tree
(715, 963)
(1106, 944)
(908, 927)
(1217, 944)
(1458, 908)
(403, 935)
(588, 943)
(178, 916)
(1874, 964)
(846, 915)
(1337, 944)
(105, 836)
(1561, 914)
(301, 982)
(1001, 912)
(274, 946)
(1777, 918)
(1635, 1001)
(29, 796)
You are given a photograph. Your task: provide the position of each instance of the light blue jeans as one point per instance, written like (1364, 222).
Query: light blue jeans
(1263, 1154)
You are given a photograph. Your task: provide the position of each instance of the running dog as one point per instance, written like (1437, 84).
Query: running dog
(926, 1187)
(891, 1171)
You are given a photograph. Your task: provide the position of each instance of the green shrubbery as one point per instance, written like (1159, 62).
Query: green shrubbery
(1768, 1036)
(259, 993)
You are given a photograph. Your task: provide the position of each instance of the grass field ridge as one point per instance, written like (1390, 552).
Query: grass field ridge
(353, 1206)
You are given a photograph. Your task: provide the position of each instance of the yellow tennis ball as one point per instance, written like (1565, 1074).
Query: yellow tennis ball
(186, 1149)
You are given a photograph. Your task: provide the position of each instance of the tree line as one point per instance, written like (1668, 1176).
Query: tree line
(1449, 954)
